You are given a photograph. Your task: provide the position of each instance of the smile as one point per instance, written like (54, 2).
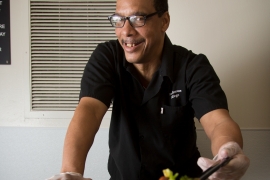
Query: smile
(130, 45)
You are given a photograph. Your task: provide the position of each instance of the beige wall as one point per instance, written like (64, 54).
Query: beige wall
(235, 36)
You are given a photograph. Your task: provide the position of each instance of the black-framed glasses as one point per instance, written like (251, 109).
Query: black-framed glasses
(134, 20)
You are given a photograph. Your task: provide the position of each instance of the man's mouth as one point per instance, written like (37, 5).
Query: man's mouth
(130, 45)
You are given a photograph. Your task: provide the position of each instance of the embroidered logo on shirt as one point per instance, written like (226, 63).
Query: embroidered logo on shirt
(175, 94)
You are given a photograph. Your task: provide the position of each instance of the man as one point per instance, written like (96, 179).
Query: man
(157, 88)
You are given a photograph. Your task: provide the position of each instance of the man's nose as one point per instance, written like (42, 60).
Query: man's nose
(128, 29)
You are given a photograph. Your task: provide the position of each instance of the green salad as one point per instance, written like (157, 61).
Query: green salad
(169, 174)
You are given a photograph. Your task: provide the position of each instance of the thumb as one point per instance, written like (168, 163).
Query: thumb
(205, 163)
(229, 149)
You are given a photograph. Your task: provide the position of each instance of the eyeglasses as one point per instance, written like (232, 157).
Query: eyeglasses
(135, 20)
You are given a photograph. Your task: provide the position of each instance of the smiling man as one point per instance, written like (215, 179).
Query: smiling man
(142, 42)
(157, 89)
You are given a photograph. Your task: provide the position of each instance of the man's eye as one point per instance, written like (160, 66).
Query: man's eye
(116, 18)
(138, 18)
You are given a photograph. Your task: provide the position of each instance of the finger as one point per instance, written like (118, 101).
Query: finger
(205, 163)
(238, 164)
(220, 175)
(229, 150)
(235, 169)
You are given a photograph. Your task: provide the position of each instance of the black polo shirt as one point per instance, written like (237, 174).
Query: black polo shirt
(153, 129)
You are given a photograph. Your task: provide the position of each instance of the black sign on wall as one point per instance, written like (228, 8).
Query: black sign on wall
(5, 32)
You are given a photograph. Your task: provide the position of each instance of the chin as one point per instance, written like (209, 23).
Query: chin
(133, 59)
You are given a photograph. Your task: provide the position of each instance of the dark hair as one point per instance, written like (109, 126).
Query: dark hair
(161, 6)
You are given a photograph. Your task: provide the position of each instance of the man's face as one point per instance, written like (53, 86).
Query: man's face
(140, 44)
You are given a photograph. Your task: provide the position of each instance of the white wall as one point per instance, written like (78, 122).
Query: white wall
(234, 35)
(35, 153)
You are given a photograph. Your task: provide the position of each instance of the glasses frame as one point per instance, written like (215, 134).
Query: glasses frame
(128, 18)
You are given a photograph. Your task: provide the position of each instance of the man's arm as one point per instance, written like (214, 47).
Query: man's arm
(81, 132)
(220, 128)
(226, 141)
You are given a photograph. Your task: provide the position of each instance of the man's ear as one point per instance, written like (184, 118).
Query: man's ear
(165, 21)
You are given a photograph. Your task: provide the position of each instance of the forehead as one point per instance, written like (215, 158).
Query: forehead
(129, 7)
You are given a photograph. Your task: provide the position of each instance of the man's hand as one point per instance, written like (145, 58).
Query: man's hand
(69, 176)
(235, 169)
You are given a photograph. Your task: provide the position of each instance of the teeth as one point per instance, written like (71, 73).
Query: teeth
(130, 45)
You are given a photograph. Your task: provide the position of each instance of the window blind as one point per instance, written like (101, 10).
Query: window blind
(64, 33)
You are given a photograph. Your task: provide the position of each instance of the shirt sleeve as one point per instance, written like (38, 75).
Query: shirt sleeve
(98, 76)
(206, 93)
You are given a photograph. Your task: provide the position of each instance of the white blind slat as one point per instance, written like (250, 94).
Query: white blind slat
(64, 33)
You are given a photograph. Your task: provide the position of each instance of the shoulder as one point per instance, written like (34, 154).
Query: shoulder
(188, 55)
(187, 59)
(181, 51)
(194, 66)
(109, 51)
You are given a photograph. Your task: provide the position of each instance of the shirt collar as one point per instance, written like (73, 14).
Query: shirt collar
(166, 68)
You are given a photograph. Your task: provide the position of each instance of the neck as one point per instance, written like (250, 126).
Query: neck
(146, 71)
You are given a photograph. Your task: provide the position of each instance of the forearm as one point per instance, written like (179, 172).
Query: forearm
(225, 132)
(226, 141)
(80, 135)
(76, 147)
(220, 129)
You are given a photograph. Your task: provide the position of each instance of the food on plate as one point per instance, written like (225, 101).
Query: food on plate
(168, 175)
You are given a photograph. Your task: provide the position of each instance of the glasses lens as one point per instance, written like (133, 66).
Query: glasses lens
(137, 21)
(117, 21)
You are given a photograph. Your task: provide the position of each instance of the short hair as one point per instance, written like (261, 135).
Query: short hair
(161, 6)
